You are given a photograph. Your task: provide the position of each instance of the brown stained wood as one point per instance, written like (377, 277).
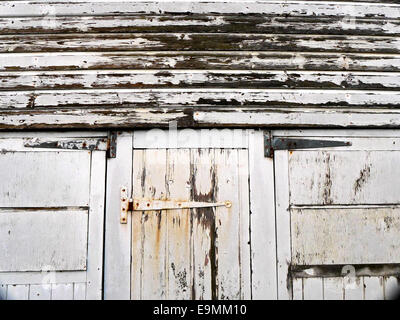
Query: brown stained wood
(195, 41)
(136, 79)
(199, 60)
(201, 23)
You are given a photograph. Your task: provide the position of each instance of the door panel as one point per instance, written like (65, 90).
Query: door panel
(51, 219)
(344, 177)
(200, 253)
(39, 239)
(338, 217)
(48, 178)
(345, 235)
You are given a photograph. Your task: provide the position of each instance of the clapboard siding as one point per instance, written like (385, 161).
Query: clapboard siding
(199, 61)
(197, 117)
(195, 23)
(199, 98)
(204, 63)
(197, 42)
(283, 8)
(135, 79)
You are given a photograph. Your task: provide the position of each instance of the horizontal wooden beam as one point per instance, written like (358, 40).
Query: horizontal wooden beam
(197, 41)
(199, 60)
(90, 98)
(114, 7)
(136, 79)
(202, 23)
(128, 118)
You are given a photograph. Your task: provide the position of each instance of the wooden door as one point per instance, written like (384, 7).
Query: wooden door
(197, 252)
(51, 218)
(338, 216)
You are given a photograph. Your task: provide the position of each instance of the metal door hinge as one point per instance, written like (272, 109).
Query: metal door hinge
(130, 205)
(112, 144)
(272, 143)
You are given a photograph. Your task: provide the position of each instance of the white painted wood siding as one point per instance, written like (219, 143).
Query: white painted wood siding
(221, 63)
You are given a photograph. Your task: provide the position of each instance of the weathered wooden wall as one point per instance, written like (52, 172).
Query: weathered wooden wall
(238, 63)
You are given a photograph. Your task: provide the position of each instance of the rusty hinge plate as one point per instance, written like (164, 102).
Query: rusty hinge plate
(272, 143)
(130, 205)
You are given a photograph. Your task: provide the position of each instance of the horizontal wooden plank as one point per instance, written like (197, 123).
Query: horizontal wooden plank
(200, 60)
(134, 79)
(198, 97)
(99, 7)
(345, 236)
(303, 118)
(190, 117)
(196, 41)
(194, 23)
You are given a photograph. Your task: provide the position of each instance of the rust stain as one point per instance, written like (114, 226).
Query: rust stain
(361, 180)
(328, 182)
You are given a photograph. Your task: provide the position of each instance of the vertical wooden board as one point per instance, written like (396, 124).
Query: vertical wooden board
(227, 221)
(18, 292)
(244, 225)
(313, 289)
(96, 226)
(79, 291)
(392, 288)
(178, 223)
(203, 275)
(117, 259)
(333, 288)
(297, 284)
(40, 292)
(353, 288)
(373, 288)
(3, 292)
(282, 225)
(155, 271)
(262, 206)
(62, 291)
(139, 175)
